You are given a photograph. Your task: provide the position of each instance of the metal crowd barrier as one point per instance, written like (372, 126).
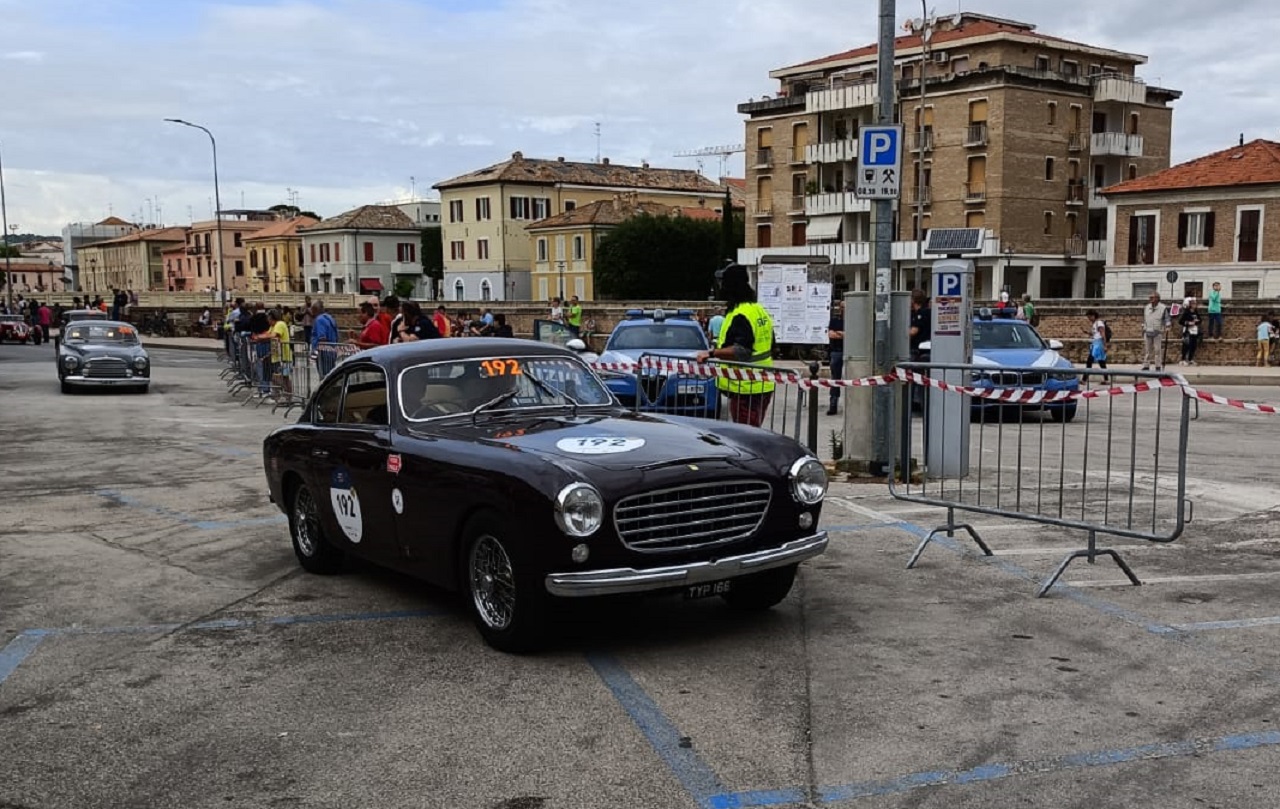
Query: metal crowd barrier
(678, 386)
(1111, 460)
(284, 374)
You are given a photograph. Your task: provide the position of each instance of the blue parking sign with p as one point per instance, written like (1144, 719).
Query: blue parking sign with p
(879, 146)
(946, 284)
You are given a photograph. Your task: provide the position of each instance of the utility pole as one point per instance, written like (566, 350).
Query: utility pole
(883, 395)
(4, 216)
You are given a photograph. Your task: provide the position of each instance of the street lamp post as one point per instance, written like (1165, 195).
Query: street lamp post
(560, 265)
(217, 203)
(8, 266)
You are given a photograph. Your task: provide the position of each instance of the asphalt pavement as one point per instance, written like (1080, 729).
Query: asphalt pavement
(160, 647)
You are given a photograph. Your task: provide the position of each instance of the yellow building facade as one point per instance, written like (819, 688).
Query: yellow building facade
(275, 258)
(131, 262)
(488, 253)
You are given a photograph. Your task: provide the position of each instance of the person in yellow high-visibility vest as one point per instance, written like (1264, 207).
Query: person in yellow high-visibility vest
(746, 336)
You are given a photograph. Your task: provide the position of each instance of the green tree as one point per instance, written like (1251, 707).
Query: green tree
(11, 250)
(433, 255)
(403, 288)
(658, 257)
(293, 210)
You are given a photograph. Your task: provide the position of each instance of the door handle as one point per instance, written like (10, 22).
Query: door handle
(316, 452)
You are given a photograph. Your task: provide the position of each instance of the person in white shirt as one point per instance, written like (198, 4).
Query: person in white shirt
(1097, 342)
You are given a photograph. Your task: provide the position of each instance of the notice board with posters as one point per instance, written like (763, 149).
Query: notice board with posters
(798, 298)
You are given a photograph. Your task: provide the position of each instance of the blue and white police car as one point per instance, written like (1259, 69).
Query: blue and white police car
(661, 335)
(1002, 344)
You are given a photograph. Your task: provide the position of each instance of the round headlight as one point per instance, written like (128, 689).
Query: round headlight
(808, 481)
(579, 510)
(139, 362)
(69, 362)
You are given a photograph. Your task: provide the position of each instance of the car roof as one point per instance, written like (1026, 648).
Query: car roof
(402, 355)
(648, 321)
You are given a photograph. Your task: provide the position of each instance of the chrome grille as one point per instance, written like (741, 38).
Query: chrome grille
(107, 368)
(692, 516)
(652, 385)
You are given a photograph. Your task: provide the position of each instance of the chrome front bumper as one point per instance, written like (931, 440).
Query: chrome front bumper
(94, 382)
(616, 581)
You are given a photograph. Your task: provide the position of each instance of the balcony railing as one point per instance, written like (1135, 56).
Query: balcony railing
(1075, 141)
(976, 135)
(1074, 246)
(764, 156)
(975, 192)
(922, 141)
(923, 194)
(797, 203)
(848, 97)
(763, 208)
(837, 203)
(833, 151)
(1075, 192)
(1097, 250)
(1116, 87)
(1096, 200)
(1115, 143)
(797, 154)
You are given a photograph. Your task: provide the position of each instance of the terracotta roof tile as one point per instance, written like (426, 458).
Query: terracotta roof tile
(970, 28)
(521, 169)
(603, 212)
(283, 228)
(366, 217)
(1254, 163)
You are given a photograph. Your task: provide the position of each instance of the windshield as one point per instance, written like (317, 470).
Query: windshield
(1007, 334)
(101, 333)
(10, 318)
(686, 336)
(497, 384)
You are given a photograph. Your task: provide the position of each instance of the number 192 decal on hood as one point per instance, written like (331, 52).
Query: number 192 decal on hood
(599, 445)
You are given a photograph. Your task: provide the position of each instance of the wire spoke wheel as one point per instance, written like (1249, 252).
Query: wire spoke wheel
(493, 586)
(306, 522)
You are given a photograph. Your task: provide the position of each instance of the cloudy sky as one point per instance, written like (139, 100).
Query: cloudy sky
(354, 101)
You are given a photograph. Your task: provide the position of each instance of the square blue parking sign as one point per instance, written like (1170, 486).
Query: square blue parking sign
(878, 174)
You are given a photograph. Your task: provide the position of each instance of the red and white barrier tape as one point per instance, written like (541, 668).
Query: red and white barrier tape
(1011, 395)
(1214, 398)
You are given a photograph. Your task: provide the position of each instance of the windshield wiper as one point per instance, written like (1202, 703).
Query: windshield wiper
(495, 401)
(546, 388)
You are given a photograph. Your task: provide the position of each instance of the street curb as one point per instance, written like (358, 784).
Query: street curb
(215, 348)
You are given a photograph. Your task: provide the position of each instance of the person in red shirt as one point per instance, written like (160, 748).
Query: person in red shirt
(372, 332)
(441, 321)
(389, 311)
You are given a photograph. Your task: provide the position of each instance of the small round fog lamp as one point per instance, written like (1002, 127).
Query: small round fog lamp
(806, 520)
(581, 552)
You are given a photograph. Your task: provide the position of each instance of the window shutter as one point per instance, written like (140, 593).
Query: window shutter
(1208, 229)
(368, 252)
(1182, 230)
(1133, 240)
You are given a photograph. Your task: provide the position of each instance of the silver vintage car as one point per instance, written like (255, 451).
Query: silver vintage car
(104, 354)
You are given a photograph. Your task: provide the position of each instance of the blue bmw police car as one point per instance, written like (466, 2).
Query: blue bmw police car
(660, 334)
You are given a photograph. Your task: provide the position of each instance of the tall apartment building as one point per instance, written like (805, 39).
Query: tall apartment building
(1008, 130)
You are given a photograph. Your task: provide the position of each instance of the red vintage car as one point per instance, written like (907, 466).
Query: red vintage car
(12, 327)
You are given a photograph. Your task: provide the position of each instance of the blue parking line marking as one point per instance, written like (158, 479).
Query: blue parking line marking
(18, 650)
(759, 797)
(685, 764)
(1242, 623)
(186, 519)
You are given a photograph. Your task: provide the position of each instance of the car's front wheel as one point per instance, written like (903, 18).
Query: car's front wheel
(760, 591)
(508, 607)
(314, 551)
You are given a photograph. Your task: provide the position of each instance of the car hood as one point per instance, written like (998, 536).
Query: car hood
(1020, 358)
(616, 441)
(634, 355)
(88, 351)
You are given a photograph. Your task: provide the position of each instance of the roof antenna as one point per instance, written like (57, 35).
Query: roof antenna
(597, 141)
(1242, 139)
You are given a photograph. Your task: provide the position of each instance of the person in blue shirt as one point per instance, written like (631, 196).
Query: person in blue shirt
(715, 324)
(324, 329)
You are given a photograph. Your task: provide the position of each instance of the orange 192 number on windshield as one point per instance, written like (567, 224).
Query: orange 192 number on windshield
(500, 367)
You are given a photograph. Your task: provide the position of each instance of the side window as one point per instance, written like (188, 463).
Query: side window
(366, 401)
(328, 403)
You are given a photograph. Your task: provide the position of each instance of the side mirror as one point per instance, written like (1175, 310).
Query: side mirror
(576, 345)
(1055, 345)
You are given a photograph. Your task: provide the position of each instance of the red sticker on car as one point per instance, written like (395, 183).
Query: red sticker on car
(393, 463)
